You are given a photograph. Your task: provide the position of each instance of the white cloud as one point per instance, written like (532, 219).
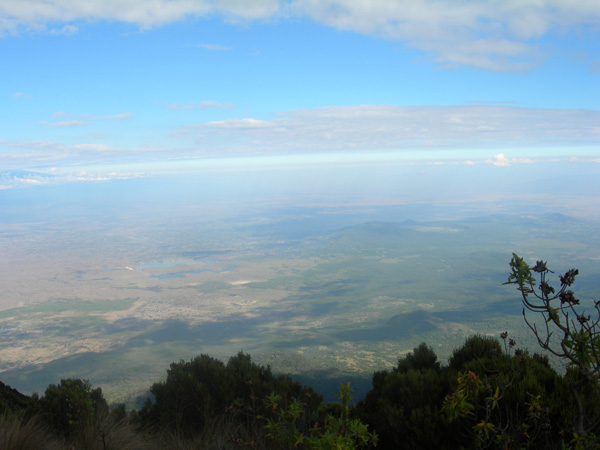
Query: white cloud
(30, 181)
(20, 179)
(200, 105)
(97, 135)
(179, 107)
(79, 121)
(66, 30)
(35, 14)
(239, 124)
(214, 47)
(18, 94)
(502, 161)
(94, 147)
(488, 34)
(499, 160)
(50, 162)
(116, 117)
(381, 127)
(212, 104)
(97, 176)
(450, 134)
(66, 124)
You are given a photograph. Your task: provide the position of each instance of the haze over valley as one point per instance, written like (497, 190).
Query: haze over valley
(117, 282)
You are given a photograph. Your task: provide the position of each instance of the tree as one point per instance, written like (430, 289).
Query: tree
(69, 406)
(404, 405)
(421, 358)
(334, 431)
(505, 399)
(570, 331)
(474, 348)
(199, 392)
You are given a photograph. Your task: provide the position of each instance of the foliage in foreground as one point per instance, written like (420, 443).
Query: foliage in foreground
(571, 331)
(489, 395)
(16, 433)
(486, 397)
(196, 392)
(338, 431)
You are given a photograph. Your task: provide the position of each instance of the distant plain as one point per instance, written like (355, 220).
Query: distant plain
(118, 280)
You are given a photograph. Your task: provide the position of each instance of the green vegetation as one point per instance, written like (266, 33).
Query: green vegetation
(491, 394)
(337, 432)
(61, 305)
(336, 305)
(404, 405)
(509, 399)
(210, 287)
(571, 331)
(195, 392)
(11, 399)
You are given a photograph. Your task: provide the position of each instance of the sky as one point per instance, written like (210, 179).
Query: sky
(112, 89)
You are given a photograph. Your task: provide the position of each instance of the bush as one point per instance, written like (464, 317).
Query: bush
(17, 433)
(335, 431)
(422, 358)
(508, 400)
(67, 407)
(474, 348)
(404, 405)
(571, 331)
(197, 393)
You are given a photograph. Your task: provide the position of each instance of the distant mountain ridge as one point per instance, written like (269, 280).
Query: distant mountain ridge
(519, 219)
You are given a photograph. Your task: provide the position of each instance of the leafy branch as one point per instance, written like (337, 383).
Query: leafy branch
(570, 332)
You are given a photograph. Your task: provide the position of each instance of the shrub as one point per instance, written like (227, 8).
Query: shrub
(17, 433)
(203, 390)
(67, 407)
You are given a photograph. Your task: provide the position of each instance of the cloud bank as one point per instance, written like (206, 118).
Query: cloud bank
(80, 121)
(384, 127)
(498, 135)
(486, 34)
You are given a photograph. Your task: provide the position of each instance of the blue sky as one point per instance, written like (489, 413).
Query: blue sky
(99, 89)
